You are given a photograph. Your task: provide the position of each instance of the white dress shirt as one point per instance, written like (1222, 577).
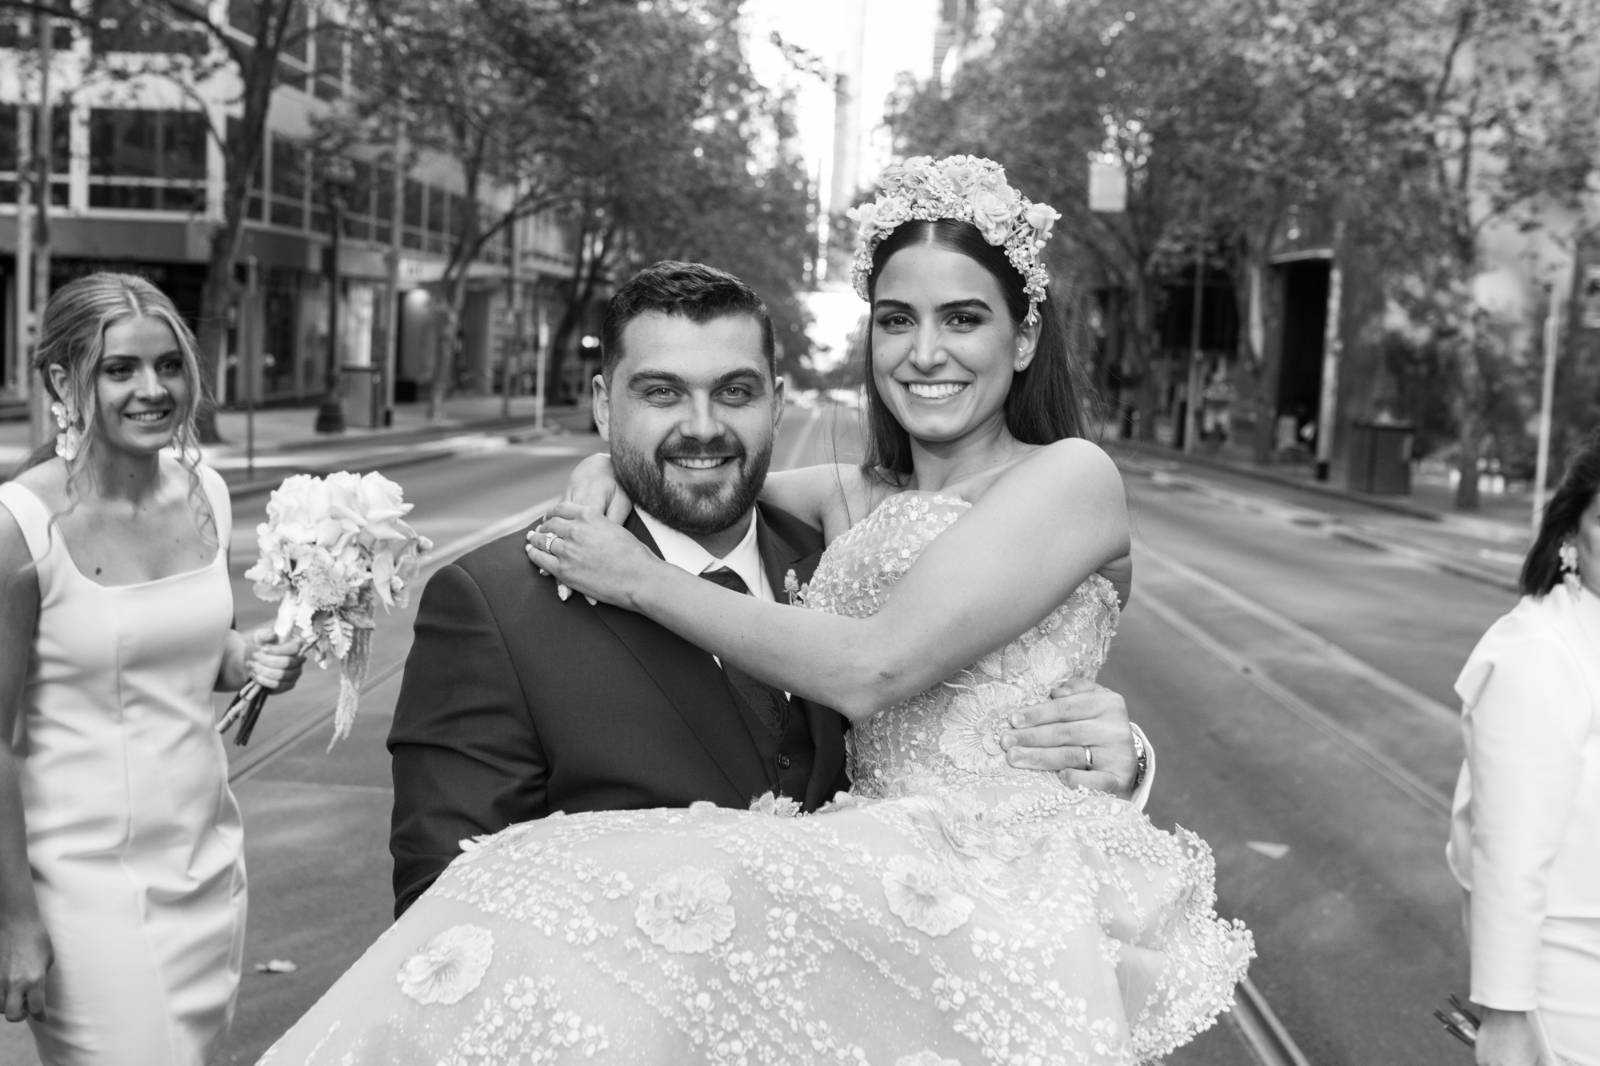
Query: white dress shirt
(1525, 829)
(684, 552)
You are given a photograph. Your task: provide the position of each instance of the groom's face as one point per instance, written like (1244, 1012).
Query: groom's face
(690, 411)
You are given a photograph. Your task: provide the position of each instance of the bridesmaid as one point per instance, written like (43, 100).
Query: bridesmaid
(122, 887)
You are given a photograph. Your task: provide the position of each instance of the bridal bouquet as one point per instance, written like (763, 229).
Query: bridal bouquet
(332, 549)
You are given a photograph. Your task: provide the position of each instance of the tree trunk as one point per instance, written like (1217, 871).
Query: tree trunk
(1140, 337)
(449, 354)
(1469, 421)
(216, 303)
(1467, 445)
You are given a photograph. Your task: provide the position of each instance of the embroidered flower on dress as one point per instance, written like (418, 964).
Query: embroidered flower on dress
(449, 965)
(775, 805)
(686, 910)
(925, 1058)
(919, 896)
(973, 722)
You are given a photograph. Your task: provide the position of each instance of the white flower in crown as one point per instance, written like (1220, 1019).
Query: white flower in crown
(966, 189)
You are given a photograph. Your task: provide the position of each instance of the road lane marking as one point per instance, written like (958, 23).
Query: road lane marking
(1339, 658)
(1401, 778)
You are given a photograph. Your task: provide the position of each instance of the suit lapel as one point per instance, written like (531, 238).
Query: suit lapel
(779, 557)
(693, 684)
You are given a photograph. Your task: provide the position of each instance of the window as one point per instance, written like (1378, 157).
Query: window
(127, 26)
(358, 201)
(382, 203)
(60, 153)
(286, 206)
(147, 160)
(329, 69)
(16, 31)
(411, 236)
(296, 38)
(439, 211)
(242, 15)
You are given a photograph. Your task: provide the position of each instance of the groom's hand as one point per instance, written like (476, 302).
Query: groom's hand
(1082, 734)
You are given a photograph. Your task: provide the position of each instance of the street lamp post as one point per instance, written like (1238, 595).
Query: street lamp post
(337, 176)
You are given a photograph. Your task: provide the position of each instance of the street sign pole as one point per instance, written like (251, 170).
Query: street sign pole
(1332, 351)
(1191, 406)
(1547, 392)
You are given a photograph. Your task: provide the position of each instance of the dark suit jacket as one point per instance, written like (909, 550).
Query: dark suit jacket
(515, 705)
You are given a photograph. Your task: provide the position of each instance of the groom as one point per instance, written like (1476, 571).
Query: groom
(516, 705)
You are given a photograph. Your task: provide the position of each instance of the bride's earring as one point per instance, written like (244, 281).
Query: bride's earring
(68, 437)
(1568, 554)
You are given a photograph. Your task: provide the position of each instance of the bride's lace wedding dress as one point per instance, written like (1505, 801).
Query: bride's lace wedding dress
(949, 909)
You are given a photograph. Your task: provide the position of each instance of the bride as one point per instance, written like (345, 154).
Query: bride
(952, 908)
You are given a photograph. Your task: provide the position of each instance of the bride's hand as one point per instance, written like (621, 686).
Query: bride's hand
(592, 484)
(584, 550)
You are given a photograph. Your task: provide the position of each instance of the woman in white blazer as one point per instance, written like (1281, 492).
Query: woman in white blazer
(1525, 832)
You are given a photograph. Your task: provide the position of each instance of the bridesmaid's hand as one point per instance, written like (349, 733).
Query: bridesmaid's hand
(274, 664)
(593, 484)
(25, 959)
(1507, 1038)
(584, 550)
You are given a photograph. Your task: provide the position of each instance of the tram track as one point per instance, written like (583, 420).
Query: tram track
(1268, 1039)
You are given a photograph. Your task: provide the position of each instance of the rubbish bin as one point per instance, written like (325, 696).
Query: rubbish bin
(360, 395)
(1380, 457)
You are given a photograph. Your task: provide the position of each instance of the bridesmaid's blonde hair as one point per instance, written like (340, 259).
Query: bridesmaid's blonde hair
(72, 335)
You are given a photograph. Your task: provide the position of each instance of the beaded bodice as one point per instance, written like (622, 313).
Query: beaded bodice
(948, 736)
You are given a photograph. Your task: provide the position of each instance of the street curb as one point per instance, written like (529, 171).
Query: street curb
(359, 462)
(415, 436)
(1364, 538)
(1433, 559)
(1380, 503)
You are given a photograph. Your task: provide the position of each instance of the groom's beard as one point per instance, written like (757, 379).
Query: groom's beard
(701, 507)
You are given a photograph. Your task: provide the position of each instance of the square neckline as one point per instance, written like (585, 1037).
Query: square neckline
(72, 564)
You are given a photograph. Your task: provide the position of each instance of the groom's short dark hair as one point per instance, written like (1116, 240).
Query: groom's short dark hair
(698, 292)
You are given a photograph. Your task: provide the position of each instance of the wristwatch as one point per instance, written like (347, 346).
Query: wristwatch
(1141, 754)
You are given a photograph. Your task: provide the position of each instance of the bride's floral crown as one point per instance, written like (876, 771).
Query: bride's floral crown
(965, 188)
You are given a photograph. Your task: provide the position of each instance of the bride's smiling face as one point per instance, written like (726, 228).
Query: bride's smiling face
(944, 346)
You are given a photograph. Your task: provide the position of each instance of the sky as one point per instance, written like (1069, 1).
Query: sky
(895, 36)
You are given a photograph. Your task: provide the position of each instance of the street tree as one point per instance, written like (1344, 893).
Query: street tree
(1141, 84)
(1506, 142)
(632, 123)
(680, 153)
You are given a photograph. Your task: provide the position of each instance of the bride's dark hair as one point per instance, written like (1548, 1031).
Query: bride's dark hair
(1044, 403)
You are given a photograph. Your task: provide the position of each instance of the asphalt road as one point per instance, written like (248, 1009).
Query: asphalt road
(1297, 688)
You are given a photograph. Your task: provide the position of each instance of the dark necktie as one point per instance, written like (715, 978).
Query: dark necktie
(769, 705)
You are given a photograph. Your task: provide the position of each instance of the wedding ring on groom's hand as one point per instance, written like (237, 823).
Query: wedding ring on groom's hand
(1088, 757)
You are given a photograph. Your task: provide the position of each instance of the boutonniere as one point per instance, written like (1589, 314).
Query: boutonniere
(794, 590)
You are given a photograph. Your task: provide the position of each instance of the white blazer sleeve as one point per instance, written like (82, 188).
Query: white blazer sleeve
(1529, 719)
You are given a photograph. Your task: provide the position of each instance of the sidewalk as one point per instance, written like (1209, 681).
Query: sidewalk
(285, 442)
(1487, 545)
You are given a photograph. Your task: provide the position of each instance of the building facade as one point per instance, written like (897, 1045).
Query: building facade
(137, 180)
